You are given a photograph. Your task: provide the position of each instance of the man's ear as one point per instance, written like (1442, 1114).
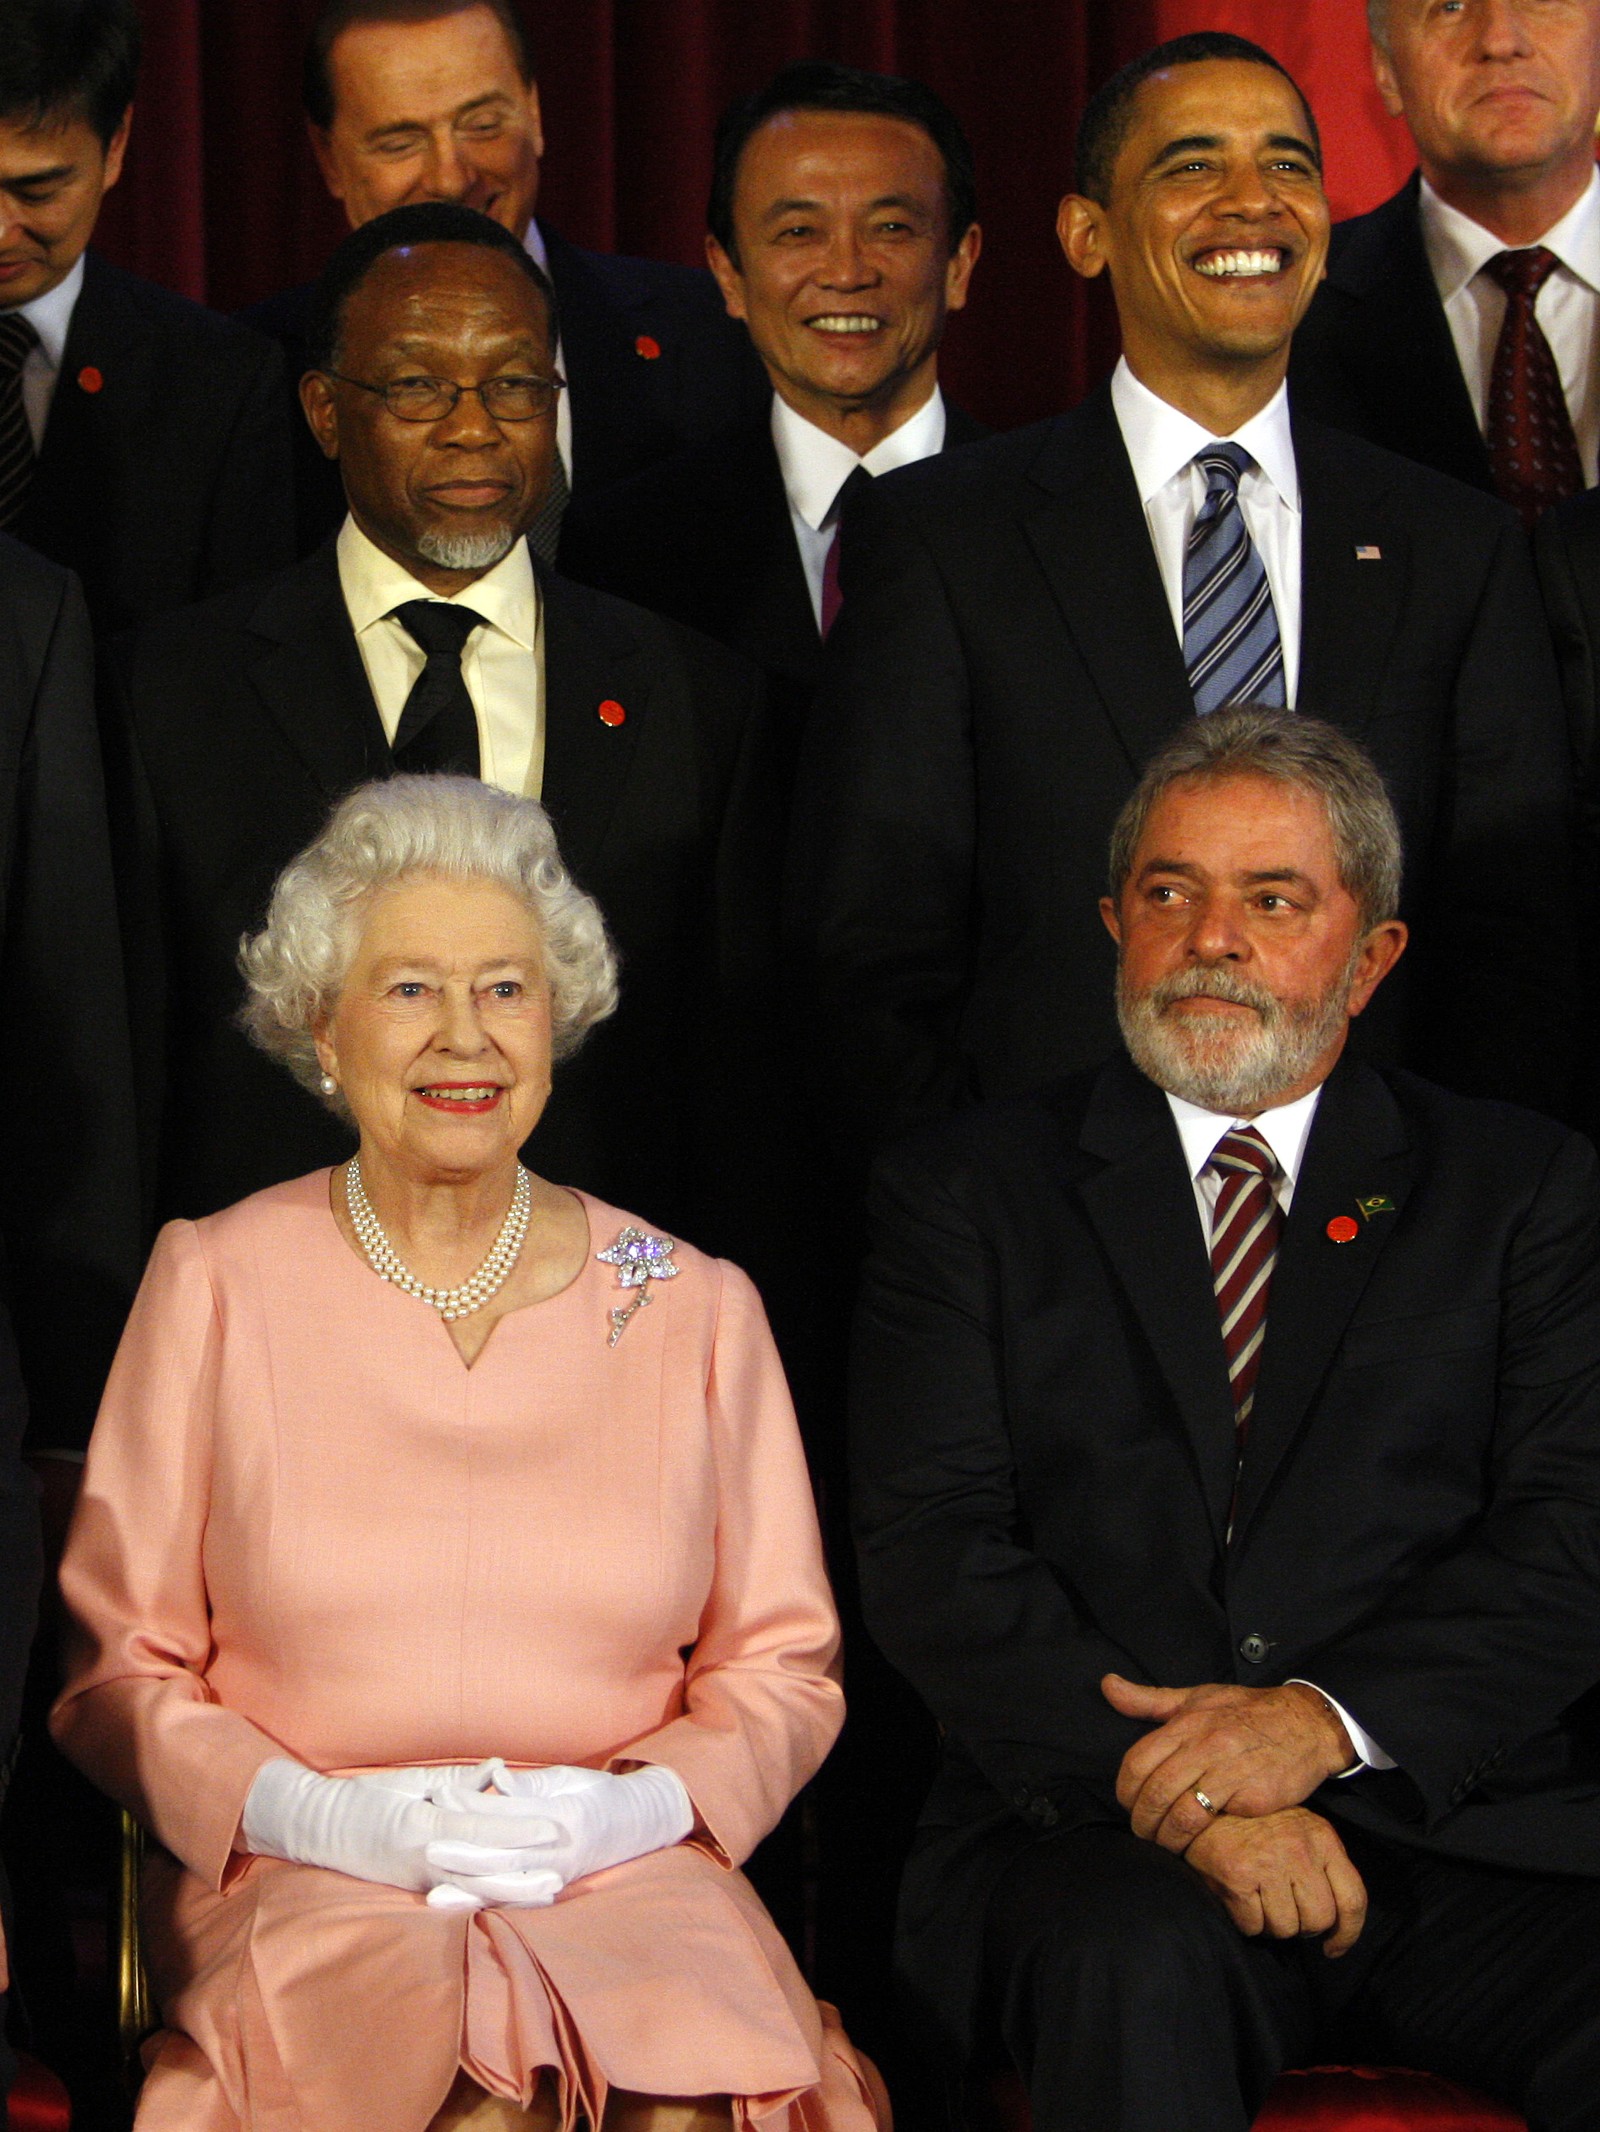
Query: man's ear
(1388, 84)
(1112, 919)
(321, 411)
(1380, 951)
(729, 279)
(116, 149)
(1080, 231)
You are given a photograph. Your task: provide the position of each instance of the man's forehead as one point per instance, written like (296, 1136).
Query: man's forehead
(438, 286)
(397, 73)
(25, 148)
(1224, 97)
(1237, 825)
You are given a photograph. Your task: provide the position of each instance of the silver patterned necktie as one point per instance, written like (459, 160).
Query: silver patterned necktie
(17, 342)
(1231, 645)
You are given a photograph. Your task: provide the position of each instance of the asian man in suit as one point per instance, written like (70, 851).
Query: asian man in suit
(1461, 319)
(1024, 621)
(1227, 1475)
(144, 442)
(425, 638)
(416, 100)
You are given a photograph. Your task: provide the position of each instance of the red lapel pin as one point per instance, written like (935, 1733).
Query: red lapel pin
(1343, 1229)
(648, 346)
(612, 713)
(90, 379)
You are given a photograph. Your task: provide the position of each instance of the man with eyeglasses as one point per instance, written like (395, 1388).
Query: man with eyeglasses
(428, 638)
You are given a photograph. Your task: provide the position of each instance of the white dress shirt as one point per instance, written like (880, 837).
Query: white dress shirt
(816, 467)
(1162, 443)
(1285, 1131)
(50, 315)
(533, 245)
(502, 663)
(1568, 307)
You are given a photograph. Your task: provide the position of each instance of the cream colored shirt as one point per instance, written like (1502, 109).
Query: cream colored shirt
(50, 316)
(1568, 308)
(1162, 443)
(502, 663)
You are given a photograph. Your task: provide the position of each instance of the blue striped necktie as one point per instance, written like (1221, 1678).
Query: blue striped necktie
(1231, 645)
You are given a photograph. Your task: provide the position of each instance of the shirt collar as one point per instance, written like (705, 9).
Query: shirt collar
(50, 315)
(816, 466)
(533, 244)
(1161, 442)
(374, 584)
(1285, 1131)
(1458, 248)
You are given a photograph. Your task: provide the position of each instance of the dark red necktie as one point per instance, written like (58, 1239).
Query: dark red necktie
(1246, 1223)
(1532, 450)
(854, 481)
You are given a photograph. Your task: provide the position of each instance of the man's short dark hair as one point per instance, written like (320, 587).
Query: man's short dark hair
(316, 83)
(63, 59)
(818, 85)
(428, 222)
(1106, 123)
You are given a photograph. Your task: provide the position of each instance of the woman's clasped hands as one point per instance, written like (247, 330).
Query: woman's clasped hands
(469, 1838)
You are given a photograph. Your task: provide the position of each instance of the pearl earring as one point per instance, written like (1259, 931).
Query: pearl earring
(329, 1085)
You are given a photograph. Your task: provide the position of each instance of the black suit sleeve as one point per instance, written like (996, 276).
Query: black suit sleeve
(1491, 1640)
(1569, 578)
(883, 848)
(69, 1203)
(250, 528)
(1007, 1657)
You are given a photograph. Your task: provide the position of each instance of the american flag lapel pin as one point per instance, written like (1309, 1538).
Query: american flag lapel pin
(1367, 553)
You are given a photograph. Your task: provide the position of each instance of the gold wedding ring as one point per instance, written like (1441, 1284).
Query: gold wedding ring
(1210, 1806)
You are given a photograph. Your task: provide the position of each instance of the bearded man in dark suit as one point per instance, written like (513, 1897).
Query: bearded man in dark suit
(143, 441)
(1025, 620)
(1227, 1477)
(1465, 311)
(417, 100)
(426, 637)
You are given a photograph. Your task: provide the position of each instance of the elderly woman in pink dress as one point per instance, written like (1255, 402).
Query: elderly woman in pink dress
(447, 1584)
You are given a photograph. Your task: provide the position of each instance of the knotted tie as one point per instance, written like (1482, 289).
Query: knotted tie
(1246, 1223)
(17, 341)
(438, 728)
(544, 535)
(1231, 645)
(852, 485)
(1532, 450)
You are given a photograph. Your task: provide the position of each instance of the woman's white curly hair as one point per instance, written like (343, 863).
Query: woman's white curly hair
(404, 828)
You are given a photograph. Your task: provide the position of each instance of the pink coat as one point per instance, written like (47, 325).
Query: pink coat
(308, 1529)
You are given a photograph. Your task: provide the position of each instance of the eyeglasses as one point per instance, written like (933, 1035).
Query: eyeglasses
(431, 399)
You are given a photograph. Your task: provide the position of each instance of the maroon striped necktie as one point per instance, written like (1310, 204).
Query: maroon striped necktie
(1246, 1223)
(1533, 453)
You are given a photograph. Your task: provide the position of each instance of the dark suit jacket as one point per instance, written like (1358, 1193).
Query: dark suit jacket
(1043, 1451)
(1374, 353)
(706, 537)
(630, 406)
(165, 470)
(69, 1209)
(251, 714)
(1005, 663)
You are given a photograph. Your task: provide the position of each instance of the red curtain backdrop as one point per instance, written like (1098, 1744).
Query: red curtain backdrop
(221, 199)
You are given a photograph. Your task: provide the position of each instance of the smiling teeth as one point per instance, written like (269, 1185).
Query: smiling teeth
(462, 1095)
(847, 322)
(1219, 264)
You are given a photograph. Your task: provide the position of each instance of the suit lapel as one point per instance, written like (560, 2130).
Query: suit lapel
(1093, 545)
(309, 674)
(102, 392)
(1142, 1207)
(1399, 346)
(591, 657)
(1354, 570)
(1358, 1150)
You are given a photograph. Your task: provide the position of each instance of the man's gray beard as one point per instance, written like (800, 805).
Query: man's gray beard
(1222, 1064)
(467, 551)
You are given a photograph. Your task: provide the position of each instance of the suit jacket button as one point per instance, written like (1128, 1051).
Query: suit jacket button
(1254, 1648)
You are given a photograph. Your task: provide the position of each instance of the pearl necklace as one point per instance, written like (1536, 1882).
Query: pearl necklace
(450, 1303)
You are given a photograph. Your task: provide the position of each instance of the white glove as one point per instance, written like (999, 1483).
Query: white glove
(373, 1832)
(425, 1780)
(598, 1821)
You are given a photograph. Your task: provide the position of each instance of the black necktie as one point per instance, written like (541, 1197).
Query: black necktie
(438, 728)
(17, 342)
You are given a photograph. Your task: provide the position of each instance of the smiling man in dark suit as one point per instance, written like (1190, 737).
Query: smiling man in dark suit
(143, 441)
(1025, 620)
(1464, 314)
(1227, 1479)
(426, 638)
(416, 100)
